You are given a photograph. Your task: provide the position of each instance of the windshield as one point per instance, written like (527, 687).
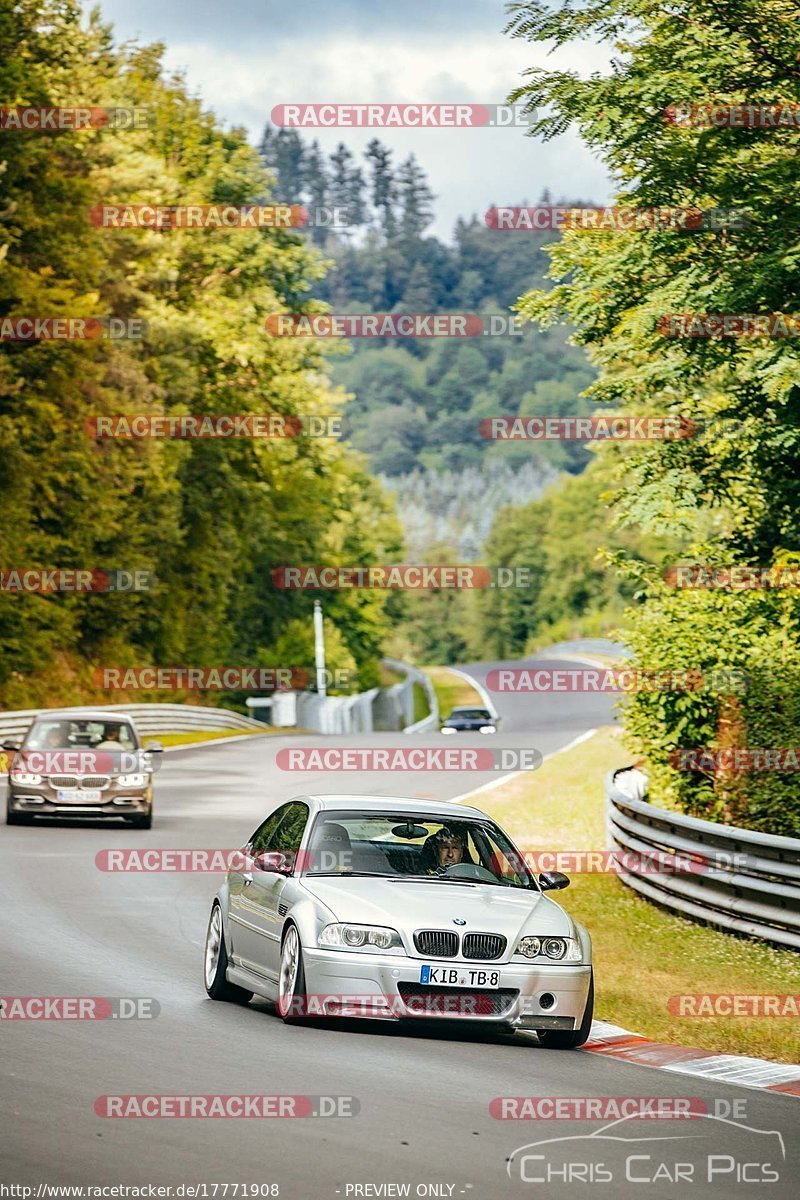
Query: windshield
(471, 714)
(410, 846)
(74, 734)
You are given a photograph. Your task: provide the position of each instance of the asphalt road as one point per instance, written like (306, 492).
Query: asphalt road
(70, 929)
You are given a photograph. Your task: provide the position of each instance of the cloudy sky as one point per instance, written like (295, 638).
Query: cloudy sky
(245, 56)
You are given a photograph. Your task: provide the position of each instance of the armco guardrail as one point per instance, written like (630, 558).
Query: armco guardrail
(149, 718)
(737, 879)
(414, 675)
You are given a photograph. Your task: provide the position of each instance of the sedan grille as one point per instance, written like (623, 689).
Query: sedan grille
(437, 943)
(485, 946)
(456, 1002)
(75, 781)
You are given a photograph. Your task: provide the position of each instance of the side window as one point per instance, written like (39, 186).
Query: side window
(264, 837)
(291, 829)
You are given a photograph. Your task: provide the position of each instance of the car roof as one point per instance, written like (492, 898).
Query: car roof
(390, 804)
(470, 708)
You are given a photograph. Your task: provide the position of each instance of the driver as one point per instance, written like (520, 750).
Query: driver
(448, 849)
(112, 738)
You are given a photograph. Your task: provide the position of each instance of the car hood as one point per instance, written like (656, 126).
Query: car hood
(408, 905)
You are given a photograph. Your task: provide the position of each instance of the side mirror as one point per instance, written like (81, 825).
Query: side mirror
(11, 745)
(154, 748)
(275, 861)
(553, 881)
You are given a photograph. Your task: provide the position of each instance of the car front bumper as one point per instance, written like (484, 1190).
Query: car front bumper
(388, 987)
(115, 802)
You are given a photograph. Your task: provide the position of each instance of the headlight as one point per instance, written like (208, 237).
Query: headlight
(557, 949)
(132, 780)
(359, 937)
(530, 947)
(26, 778)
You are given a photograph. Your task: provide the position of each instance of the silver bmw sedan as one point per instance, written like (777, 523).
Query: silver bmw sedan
(396, 909)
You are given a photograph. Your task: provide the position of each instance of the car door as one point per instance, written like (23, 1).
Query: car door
(245, 935)
(261, 889)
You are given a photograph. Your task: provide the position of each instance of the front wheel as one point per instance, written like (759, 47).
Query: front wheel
(216, 964)
(292, 978)
(143, 822)
(570, 1039)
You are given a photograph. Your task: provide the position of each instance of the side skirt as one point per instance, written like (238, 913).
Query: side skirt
(252, 983)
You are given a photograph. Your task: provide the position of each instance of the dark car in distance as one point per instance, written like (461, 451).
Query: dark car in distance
(471, 720)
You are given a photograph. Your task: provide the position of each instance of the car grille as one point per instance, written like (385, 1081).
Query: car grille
(438, 943)
(456, 1002)
(485, 946)
(75, 781)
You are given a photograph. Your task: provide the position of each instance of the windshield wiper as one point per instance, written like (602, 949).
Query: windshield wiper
(455, 879)
(359, 874)
(437, 879)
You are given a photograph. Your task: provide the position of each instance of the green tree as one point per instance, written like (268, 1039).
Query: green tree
(383, 186)
(733, 492)
(210, 520)
(415, 198)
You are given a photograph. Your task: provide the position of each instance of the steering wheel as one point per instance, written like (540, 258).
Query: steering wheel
(467, 871)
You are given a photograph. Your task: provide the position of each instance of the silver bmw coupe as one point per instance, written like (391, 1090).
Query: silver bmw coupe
(361, 906)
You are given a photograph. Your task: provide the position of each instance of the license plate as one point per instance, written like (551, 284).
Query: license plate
(79, 795)
(459, 977)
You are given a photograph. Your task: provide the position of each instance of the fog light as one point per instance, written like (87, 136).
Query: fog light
(546, 1000)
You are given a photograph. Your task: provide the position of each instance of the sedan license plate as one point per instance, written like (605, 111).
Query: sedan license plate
(459, 977)
(79, 795)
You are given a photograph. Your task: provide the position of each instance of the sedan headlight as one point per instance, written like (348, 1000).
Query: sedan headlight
(359, 937)
(26, 778)
(555, 948)
(132, 780)
(530, 946)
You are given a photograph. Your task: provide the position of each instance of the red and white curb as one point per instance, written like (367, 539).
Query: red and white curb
(614, 1042)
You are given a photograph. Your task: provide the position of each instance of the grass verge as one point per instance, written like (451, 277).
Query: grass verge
(642, 953)
(451, 690)
(204, 735)
(421, 709)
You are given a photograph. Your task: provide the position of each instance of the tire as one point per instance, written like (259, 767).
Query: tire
(570, 1039)
(145, 822)
(291, 978)
(13, 818)
(216, 964)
